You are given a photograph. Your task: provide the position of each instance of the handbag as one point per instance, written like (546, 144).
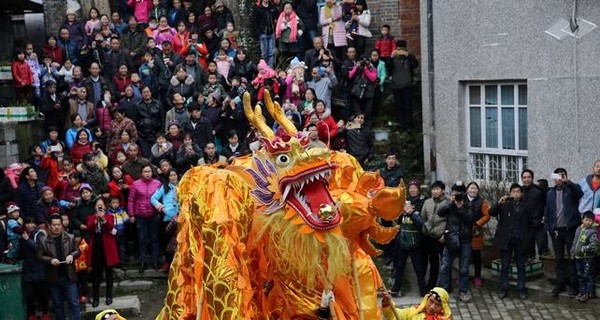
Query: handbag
(452, 240)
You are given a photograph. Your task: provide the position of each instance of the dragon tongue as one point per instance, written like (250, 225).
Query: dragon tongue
(318, 197)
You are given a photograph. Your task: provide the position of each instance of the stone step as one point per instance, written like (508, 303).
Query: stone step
(133, 273)
(127, 306)
(127, 286)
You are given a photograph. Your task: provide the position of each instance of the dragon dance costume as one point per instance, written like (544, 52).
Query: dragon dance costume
(263, 237)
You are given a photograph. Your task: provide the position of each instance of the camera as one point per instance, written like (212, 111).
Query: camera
(458, 197)
(509, 199)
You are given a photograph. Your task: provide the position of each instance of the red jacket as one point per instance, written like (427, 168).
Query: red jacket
(179, 42)
(109, 241)
(50, 163)
(22, 74)
(114, 191)
(55, 52)
(103, 116)
(138, 204)
(120, 84)
(79, 150)
(386, 46)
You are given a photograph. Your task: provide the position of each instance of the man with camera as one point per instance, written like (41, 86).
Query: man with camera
(363, 89)
(561, 219)
(512, 236)
(457, 239)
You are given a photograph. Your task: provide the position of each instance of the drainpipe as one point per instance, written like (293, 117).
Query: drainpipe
(431, 81)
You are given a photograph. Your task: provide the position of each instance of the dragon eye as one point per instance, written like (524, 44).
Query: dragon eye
(282, 160)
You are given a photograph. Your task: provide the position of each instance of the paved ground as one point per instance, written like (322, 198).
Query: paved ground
(486, 305)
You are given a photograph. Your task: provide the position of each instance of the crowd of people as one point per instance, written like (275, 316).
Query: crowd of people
(435, 231)
(133, 98)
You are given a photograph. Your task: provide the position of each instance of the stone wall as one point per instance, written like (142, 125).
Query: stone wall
(54, 14)
(15, 139)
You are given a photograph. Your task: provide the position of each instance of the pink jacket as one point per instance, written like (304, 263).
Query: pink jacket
(339, 31)
(141, 9)
(140, 193)
(162, 35)
(369, 73)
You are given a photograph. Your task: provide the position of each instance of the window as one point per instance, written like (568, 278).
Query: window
(497, 132)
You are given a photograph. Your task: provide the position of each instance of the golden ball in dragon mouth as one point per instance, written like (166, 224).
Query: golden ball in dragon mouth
(325, 211)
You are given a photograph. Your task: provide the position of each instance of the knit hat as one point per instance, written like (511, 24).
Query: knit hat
(71, 11)
(173, 123)
(46, 188)
(459, 186)
(217, 96)
(85, 186)
(438, 184)
(11, 207)
(414, 182)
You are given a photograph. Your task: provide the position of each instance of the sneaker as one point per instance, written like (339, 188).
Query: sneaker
(584, 298)
(522, 295)
(465, 297)
(477, 283)
(503, 294)
(579, 296)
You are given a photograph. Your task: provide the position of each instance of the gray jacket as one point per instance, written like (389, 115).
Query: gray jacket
(585, 242)
(434, 225)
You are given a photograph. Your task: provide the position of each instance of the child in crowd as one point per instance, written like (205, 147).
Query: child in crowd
(34, 284)
(81, 266)
(66, 222)
(348, 10)
(14, 229)
(224, 64)
(121, 218)
(386, 44)
(22, 76)
(231, 35)
(584, 250)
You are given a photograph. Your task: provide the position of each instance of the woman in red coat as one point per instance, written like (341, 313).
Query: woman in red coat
(326, 125)
(51, 49)
(119, 185)
(81, 146)
(103, 248)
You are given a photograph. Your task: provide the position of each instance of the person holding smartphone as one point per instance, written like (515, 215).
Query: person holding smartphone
(457, 239)
(513, 236)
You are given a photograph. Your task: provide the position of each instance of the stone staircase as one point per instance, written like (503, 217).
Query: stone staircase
(128, 286)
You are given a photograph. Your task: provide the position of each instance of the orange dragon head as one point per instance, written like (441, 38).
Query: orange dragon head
(286, 172)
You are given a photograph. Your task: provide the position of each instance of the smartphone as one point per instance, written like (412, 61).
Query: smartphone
(555, 176)
(55, 148)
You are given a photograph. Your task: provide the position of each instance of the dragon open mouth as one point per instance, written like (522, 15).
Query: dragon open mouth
(308, 193)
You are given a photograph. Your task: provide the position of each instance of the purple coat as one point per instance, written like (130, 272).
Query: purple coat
(339, 31)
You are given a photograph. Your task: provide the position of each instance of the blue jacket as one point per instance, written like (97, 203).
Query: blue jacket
(168, 200)
(590, 199)
(570, 196)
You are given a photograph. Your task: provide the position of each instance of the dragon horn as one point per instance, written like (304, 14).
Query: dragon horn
(255, 118)
(277, 113)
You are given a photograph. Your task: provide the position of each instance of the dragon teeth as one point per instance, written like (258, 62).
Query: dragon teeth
(286, 191)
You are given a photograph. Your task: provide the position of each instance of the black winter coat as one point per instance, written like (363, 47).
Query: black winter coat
(505, 213)
(150, 120)
(263, 20)
(459, 220)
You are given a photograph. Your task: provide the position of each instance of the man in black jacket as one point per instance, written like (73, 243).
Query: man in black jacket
(561, 219)
(198, 126)
(533, 196)
(307, 12)
(457, 240)
(513, 236)
(164, 67)
(401, 68)
(264, 17)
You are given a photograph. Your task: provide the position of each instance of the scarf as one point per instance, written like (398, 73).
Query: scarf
(293, 23)
(328, 13)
